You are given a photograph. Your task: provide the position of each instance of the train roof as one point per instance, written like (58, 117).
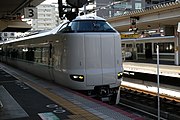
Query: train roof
(55, 30)
(88, 17)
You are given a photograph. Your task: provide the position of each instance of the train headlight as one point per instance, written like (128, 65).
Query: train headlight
(120, 75)
(79, 78)
(75, 76)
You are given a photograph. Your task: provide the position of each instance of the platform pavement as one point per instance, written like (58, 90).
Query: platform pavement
(33, 105)
(22, 102)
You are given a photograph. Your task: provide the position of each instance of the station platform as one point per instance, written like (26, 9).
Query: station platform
(143, 76)
(26, 97)
(151, 68)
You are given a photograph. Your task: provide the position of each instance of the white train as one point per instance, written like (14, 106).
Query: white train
(84, 54)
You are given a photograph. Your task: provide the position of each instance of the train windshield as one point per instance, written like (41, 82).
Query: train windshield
(89, 26)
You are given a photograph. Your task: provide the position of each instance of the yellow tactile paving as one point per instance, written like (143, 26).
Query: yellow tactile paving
(75, 116)
(64, 103)
(80, 117)
(80, 114)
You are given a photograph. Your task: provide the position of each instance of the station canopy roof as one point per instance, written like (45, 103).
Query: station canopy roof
(10, 9)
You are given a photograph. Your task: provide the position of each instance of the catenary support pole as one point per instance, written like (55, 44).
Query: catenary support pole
(158, 82)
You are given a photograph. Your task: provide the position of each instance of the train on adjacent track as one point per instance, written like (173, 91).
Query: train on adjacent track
(145, 48)
(84, 54)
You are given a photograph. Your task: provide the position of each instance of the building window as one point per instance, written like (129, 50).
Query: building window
(155, 2)
(165, 47)
(139, 47)
(5, 34)
(138, 6)
(12, 34)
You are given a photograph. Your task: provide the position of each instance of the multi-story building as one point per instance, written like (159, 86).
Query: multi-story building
(47, 18)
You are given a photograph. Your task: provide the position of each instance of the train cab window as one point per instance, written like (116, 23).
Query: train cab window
(89, 26)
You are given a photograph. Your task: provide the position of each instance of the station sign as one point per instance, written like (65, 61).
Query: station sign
(126, 36)
(30, 12)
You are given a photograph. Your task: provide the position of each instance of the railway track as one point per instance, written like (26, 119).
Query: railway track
(146, 102)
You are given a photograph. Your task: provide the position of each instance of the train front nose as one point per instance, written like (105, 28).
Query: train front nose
(102, 59)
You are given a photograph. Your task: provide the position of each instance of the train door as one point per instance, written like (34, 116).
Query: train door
(148, 50)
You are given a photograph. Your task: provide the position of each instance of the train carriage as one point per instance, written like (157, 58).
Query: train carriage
(145, 48)
(84, 54)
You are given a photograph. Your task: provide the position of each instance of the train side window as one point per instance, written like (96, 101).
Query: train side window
(139, 47)
(123, 45)
(38, 55)
(129, 48)
(45, 55)
(30, 54)
(167, 47)
(64, 28)
(128, 45)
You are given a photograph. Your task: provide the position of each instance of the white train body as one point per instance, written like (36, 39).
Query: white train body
(78, 59)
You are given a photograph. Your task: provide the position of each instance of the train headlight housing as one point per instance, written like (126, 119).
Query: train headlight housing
(120, 75)
(79, 78)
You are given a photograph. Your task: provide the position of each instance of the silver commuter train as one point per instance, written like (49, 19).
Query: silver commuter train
(84, 54)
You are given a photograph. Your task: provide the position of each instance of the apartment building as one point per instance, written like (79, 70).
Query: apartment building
(47, 18)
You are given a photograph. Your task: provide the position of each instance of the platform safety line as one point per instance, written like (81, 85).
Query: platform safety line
(74, 109)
